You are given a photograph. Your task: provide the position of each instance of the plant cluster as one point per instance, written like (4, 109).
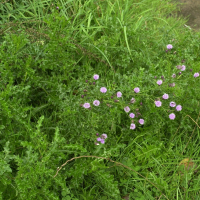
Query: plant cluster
(99, 100)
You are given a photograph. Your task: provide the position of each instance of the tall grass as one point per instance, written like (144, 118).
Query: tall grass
(54, 111)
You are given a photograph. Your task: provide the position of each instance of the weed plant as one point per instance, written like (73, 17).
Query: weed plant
(99, 100)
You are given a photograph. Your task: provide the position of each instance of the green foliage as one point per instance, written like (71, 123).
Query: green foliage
(49, 143)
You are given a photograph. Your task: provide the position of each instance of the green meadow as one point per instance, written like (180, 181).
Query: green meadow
(99, 100)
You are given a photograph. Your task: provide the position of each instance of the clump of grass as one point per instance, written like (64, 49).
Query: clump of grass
(115, 83)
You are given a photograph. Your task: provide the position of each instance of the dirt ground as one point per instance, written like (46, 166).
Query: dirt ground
(191, 9)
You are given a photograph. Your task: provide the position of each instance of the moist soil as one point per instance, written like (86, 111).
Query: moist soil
(190, 9)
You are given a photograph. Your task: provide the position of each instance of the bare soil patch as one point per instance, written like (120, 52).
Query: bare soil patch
(191, 11)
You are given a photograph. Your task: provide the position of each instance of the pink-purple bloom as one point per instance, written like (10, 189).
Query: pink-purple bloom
(179, 108)
(174, 76)
(132, 115)
(96, 102)
(172, 104)
(127, 109)
(119, 94)
(101, 140)
(165, 96)
(179, 67)
(183, 68)
(158, 103)
(136, 90)
(86, 105)
(132, 126)
(172, 116)
(172, 85)
(132, 100)
(96, 77)
(103, 90)
(159, 82)
(196, 75)
(169, 46)
(141, 121)
(104, 136)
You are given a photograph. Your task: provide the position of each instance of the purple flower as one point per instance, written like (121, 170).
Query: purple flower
(180, 73)
(179, 67)
(102, 141)
(196, 75)
(132, 126)
(86, 105)
(174, 76)
(169, 46)
(119, 94)
(158, 103)
(179, 108)
(127, 109)
(104, 136)
(172, 116)
(136, 90)
(159, 82)
(103, 90)
(97, 134)
(172, 104)
(96, 77)
(132, 115)
(141, 121)
(96, 102)
(132, 100)
(172, 85)
(165, 96)
(183, 68)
